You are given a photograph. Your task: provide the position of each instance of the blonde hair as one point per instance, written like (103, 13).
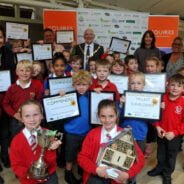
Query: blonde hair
(154, 59)
(136, 74)
(81, 77)
(104, 63)
(25, 63)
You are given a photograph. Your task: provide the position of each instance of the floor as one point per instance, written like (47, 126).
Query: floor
(178, 175)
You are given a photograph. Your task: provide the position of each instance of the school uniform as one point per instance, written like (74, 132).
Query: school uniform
(111, 87)
(88, 156)
(22, 156)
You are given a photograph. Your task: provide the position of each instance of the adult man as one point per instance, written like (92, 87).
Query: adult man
(88, 48)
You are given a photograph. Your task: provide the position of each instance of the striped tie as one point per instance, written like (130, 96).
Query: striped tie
(108, 137)
(33, 143)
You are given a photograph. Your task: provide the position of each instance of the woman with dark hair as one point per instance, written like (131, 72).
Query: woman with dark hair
(174, 60)
(147, 49)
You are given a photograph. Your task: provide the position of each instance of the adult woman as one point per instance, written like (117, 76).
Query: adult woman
(147, 49)
(175, 60)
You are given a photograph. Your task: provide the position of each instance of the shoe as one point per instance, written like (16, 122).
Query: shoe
(155, 172)
(1, 168)
(1, 180)
(70, 178)
(6, 162)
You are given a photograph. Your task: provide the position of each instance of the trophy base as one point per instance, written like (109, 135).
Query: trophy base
(38, 176)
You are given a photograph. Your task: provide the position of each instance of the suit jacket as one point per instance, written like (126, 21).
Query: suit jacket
(79, 50)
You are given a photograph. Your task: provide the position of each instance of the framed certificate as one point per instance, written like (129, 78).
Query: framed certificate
(42, 51)
(95, 98)
(155, 82)
(142, 105)
(17, 31)
(65, 36)
(24, 56)
(5, 80)
(60, 84)
(120, 81)
(119, 45)
(119, 153)
(61, 107)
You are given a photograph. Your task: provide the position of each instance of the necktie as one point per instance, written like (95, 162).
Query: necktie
(33, 143)
(88, 51)
(108, 137)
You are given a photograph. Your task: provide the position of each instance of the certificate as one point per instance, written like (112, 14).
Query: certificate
(119, 153)
(120, 81)
(5, 80)
(64, 36)
(61, 107)
(17, 31)
(42, 51)
(95, 98)
(155, 82)
(142, 105)
(119, 45)
(24, 56)
(60, 84)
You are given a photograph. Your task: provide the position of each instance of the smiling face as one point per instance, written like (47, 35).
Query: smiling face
(31, 116)
(175, 89)
(117, 69)
(151, 66)
(59, 67)
(177, 45)
(133, 65)
(89, 36)
(23, 73)
(136, 83)
(148, 40)
(108, 118)
(102, 73)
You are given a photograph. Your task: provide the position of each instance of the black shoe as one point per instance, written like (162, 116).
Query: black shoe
(6, 162)
(1, 180)
(1, 168)
(155, 172)
(70, 178)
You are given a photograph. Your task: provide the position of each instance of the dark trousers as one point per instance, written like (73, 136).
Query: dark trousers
(166, 155)
(53, 179)
(152, 134)
(15, 127)
(97, 180)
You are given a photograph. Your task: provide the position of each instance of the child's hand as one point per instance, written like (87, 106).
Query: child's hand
(122, 178)
(160, 132)
(55, 144)
(40, 42)
(98, 90)
(169, 136)
(122, 99)
(17, 116)
(25, 50)
(62, 93)
(47, 92)
(101, 171)
(107, 50)
(162, 105)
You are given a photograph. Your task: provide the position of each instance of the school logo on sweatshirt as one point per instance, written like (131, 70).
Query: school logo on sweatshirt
(178, 110)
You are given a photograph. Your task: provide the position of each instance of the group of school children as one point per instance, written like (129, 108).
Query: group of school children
(20, 105)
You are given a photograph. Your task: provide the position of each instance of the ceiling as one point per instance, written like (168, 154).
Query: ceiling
(167, 7)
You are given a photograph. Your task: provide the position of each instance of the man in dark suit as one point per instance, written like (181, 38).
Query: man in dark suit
(88, 48)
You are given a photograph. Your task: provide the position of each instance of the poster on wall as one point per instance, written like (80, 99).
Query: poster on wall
(165, 28)
(109, 23)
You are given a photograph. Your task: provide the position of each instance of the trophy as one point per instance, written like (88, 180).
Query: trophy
(39, 169)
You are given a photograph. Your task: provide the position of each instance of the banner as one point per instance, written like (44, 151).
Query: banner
(60, 20)
(109, 23)
(165, 29)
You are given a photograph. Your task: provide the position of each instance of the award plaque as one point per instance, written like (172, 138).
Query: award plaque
(119, 153)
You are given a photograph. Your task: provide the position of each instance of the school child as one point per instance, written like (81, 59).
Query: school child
(76, 64)
(116, 55)
(118, 67)
(59, 66)
(23, 89)
(131, 64)
(38, 71)
(101, 83)
(77, 128)
(25, 150)
(139, 127)
(152, 65)
(169, 129)
(87, 158)
(92, 66)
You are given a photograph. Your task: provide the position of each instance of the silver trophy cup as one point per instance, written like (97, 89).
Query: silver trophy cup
(39, 169)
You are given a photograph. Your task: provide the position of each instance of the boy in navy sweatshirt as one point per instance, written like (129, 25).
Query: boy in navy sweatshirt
(77, 128)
